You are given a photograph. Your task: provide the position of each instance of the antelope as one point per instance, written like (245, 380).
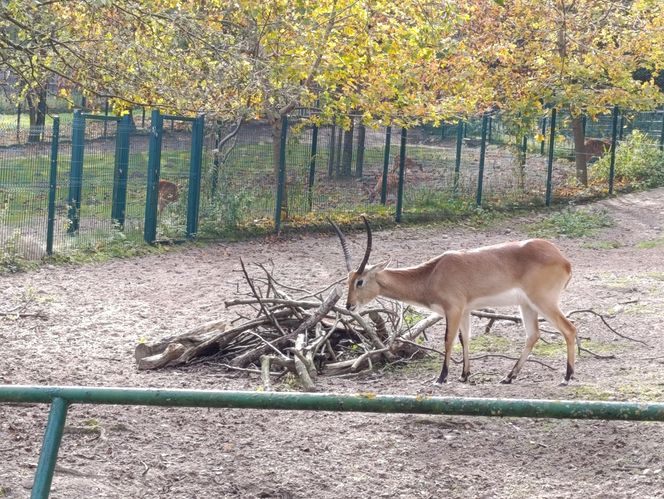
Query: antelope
(168, 193)
(596, 148)
(392, 178)
(530, 274)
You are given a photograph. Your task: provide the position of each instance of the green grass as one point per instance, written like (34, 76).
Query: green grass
(571, 223)
(650, 244)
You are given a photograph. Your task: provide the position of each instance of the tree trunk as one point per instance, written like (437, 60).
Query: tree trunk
(276, 149)
(359, 159)
(347, 159)
(580, 150)
(37, 109)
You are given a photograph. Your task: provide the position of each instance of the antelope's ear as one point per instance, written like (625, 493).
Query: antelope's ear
(381, 265)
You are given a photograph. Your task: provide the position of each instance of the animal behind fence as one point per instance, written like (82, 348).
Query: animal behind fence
(169, 193)
(392, 178)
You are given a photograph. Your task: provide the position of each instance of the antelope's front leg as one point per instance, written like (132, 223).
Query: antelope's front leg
(452, 321)
(464, 338)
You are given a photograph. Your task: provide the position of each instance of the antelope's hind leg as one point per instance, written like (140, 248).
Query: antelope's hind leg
(529, 317)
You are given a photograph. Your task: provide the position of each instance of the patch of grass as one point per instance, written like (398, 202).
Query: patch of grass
(621, 392)
(571, 223)
(650, 244)
(590, 392)
(602, 245)
(488, 343)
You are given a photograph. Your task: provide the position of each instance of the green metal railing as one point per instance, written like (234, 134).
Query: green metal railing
(61, 397)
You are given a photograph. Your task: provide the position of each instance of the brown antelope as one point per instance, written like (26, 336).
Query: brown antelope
(392, 178)
(530, 274)
(168, 193)
(596, 148)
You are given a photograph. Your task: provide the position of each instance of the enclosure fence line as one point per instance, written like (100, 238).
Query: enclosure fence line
(60, 397)
(101, 175)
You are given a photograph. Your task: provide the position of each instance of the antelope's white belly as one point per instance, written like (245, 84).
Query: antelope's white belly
(511, 297)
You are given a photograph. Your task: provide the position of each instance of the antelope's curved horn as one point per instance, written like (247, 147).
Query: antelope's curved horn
(344, 245)
(367, 253)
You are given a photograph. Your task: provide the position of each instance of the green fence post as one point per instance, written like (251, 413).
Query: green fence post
(614, 143)
(457, 157)
(543, 132)
(119, 199)
(76, 171)
(312, 167)
(52, 184)
(661, 134)
(154, 164)
(402, 172)
(386, 165)
(549, 165)
(480, 175)
(49, 452)
(281, 180)
(195, 169)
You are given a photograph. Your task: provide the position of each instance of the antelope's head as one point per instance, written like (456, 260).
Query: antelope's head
(362, 284)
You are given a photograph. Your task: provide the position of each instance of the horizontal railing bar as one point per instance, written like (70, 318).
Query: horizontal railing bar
(369, 402)
(177, 118)
(100, 117)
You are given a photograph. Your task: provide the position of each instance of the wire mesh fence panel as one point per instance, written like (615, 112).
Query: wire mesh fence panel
(174, 180)
(430, 172)
(239, 179)
(24, 186)
(136, 183)
(96, 223)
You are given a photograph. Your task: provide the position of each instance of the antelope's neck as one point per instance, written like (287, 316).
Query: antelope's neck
(407, 285)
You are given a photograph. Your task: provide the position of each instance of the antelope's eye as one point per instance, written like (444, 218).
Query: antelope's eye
(359, 283)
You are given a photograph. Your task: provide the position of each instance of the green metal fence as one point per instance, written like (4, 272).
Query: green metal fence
(102, 174)
(61, 397)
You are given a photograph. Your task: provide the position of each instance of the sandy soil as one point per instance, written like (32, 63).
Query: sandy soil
(97, 314)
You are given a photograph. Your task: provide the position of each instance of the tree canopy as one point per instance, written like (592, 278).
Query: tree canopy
(409, 61)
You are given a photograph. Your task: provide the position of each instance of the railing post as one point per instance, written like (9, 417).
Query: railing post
(614, 144)
(402, 172)
(281, 177)
(49, 452)
(312, 167)
(76, 171)
(154, 164)
(52, 184)
(386, 165)
(549, 165)
(195, 167)
(119, 199)
(480, 175)
(457, 157)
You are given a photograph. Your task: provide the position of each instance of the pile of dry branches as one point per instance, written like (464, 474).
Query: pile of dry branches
(292, 331)
(280, 329)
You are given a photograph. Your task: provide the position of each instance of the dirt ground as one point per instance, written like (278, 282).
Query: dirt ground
(98, 313)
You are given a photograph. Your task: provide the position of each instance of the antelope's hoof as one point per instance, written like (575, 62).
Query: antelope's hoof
(506, 380)
(464, 378)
